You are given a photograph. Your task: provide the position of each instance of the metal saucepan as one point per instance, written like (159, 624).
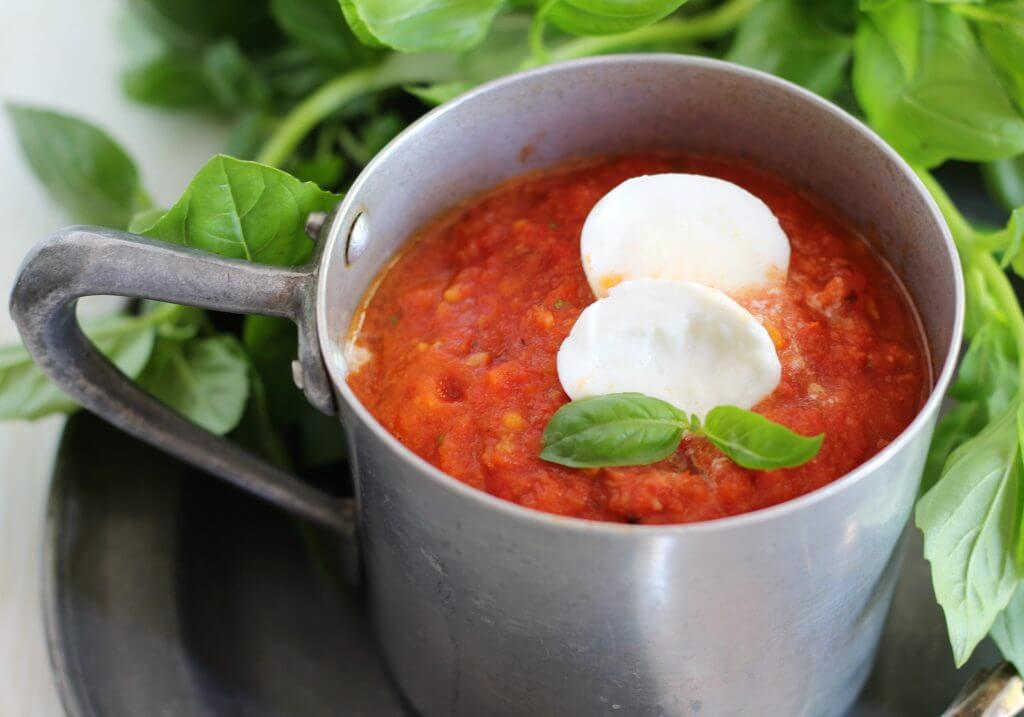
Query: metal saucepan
(485, 607)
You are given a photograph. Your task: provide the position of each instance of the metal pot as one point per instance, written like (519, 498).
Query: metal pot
(483, 607)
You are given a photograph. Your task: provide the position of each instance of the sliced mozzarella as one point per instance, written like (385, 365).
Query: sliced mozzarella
(683, 226)
(679, 341)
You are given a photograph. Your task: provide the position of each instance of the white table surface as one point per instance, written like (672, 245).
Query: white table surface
(64, 54)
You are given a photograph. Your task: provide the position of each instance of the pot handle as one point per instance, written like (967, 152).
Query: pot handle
(85, 261)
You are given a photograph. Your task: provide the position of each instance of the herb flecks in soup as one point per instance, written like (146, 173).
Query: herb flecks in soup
(463, 331)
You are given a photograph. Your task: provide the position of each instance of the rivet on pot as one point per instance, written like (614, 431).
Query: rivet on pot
(358, 238)
(314, 222)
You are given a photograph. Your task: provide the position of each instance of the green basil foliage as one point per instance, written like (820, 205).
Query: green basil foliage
(244, 210)
(795, 40)
(26, 393)
(1008, 629)
(927, 86)
(314, 88)
(233, 208)
(82, 168)
(317, 25)
(607, 17)
(206, 379)
(1005, 181)
(969, 520)
(628, 429)
(414, 25)
(170, 79)
(987, 384)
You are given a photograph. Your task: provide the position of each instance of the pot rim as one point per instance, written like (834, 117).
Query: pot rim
(550, 520)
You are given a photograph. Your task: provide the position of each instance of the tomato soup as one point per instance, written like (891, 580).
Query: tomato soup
(459, 343)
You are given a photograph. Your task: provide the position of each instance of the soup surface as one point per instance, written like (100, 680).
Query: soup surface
(461, 335)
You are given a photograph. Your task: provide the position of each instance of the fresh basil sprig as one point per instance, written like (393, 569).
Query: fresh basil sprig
(794, 40)
(620, 429)
(929, 89)
(756, 442)
(232, 207)
(629, 429)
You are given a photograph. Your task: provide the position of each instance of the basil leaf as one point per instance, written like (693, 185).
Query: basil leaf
(205, 380)
(1012, 239)
(790, 39)
(439, 92)
(502, 51)
(324, 170)
(1004, 45)
(171, 79)
(273, 344)
(249, 134)
(293, 73)
(868, 5)
(982, 307)
(220, 78)
(755, 442)
(1008, 630)
(958, 425)
(416, 25)
(327, 165)
(988, 372)
(193, 22)
(232, 79)
(82, 168)
(621, 429)
(1008, 13)
(256, 431)
(926, 86)
(607, 17)
(969, 521)
(27, 393)
(244, 210)
(320, 26)
(1005, 181)
(372, 137)
(987, 383)
(1020, 468)
(145, 219)
(179, 322)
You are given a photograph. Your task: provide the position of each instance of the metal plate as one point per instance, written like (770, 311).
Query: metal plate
(170, 594)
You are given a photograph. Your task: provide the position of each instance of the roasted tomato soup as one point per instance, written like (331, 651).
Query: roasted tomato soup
(459, 345)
